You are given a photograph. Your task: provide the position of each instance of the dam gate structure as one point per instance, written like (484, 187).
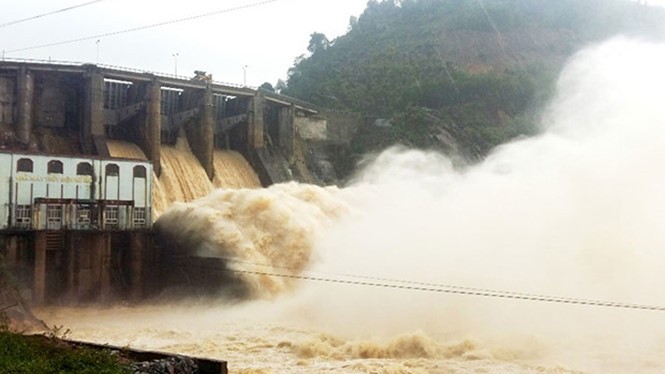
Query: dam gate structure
(76, 222)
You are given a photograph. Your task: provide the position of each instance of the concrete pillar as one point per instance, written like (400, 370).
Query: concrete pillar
(286, 131)
(39, 278)
(93, 113)
(26, 91)
(154, 124)
(255, 128)
(92, 287)
(203, 142)
(105, 270)
(11, 258)
(72, 266)
(85, 262)
(137, 243)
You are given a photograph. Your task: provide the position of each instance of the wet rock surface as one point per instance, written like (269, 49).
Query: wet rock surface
(173, 365)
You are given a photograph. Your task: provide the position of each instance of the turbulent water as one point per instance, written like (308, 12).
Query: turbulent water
(272, 229)
(183, 179)
(577, 211)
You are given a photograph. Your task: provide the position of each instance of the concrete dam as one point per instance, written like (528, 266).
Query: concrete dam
(91, 155)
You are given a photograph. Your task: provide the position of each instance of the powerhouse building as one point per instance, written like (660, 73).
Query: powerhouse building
(76, 229)
(47, 192)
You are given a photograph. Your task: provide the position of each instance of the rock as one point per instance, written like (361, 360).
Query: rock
(173, 365)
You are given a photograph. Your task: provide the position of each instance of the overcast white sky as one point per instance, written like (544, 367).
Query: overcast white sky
(265, 38)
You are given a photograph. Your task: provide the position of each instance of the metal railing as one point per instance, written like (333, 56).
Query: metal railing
(118, 68)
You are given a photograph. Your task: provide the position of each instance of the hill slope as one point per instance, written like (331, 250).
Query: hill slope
(477, 69)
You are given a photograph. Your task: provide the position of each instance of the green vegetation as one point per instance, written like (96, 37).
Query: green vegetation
(46, 354)
(36, 354)
(479, 69)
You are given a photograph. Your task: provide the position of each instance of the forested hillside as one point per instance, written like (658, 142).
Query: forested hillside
(477, 69)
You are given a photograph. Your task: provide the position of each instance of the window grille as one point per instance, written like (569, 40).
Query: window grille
(139, 217)
(111, 216)
(53, 216)
(23, 216)
(83, 217)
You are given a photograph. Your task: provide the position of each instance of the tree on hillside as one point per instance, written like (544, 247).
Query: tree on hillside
(267, 86)
(317, 42)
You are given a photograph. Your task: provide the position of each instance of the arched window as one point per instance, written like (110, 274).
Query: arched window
(112, 170)
(139, 171)
(55, 167)
(24, 165)
(84, 168)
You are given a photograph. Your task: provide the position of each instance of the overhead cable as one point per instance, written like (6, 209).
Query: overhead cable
(417, 283)
(49, 13)
(461, 291)
(144, 27)
(428, 287)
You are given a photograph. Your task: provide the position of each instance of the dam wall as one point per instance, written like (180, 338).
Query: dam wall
(94, 154)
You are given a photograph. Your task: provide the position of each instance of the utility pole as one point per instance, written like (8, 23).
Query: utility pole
(175, 62)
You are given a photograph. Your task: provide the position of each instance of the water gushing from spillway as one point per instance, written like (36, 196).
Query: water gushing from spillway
(576, 211)
(183, 178)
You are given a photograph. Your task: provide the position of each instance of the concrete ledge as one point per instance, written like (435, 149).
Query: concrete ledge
(206, 366)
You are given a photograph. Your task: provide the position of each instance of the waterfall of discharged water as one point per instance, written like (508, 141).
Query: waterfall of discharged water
(183, 178)
(122, 149)
(233, 171)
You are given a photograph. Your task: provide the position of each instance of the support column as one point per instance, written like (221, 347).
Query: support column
(204, 143)
(208, 133)
(26, 91)
(154, 124)
(11, 258)
(105, 276)
(86, 260)
(72, 267)
(255, 128)
(39, 279)
(93, 134)
(137, 280)
(286, 131)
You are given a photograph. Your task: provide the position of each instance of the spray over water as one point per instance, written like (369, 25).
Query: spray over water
(576, 212)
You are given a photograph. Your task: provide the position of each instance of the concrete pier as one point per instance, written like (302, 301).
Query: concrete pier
(103, 245)
(154, 124)
(11, 254)
(256, 122)
(39, 277)
(138, 246)
(287, 131)
(26, 93)
(93, 113)
(201, 132)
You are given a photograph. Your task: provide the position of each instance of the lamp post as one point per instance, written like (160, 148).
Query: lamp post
(244, 75)
(97, 44)
(175, 62)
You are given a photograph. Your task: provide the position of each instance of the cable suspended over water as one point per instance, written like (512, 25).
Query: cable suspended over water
(368, 281)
